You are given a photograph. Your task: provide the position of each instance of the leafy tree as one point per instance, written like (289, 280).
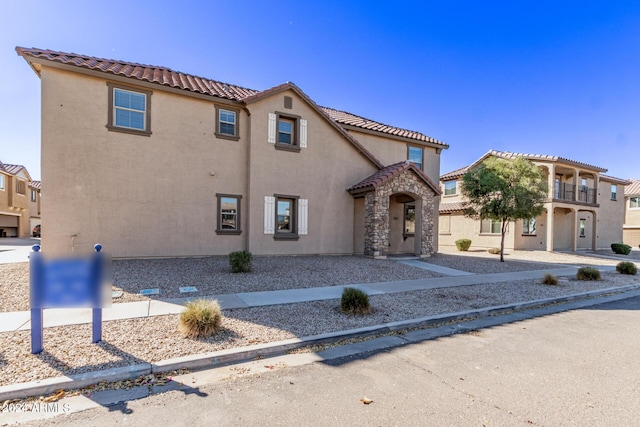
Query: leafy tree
(504, 190)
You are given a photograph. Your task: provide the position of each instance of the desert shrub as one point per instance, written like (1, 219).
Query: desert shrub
(240, 261)
(621, 248)
(588, 273)
(355, 301)
(463, 244)
(626, 267)
(200, 319)
(550, 279)
(494, 251)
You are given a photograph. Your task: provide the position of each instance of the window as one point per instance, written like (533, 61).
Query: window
(21, 187)
(129, 110)
(490, 226)
(583, 223)
(450, 188)
(287, 132)
(409, 226)
(415, 155)
(34, 195)
(227, 123)
(529, 226)
(634, 202)
(1, 182)
(444, 224)
(583, 183)
(228, 214)
(285, 216)
(614, 192)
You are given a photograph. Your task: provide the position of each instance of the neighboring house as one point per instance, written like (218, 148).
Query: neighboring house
(14, 201)
(152, 162)
(631, 234)
(584, 210)
(34, 204)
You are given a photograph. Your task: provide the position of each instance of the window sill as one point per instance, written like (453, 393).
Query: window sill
(287, 147)
(444, 234)
(490, 234)
(225, 136)
(529, 235)
(129, 131)
(229, 232)
(283, 236)
(449, 195)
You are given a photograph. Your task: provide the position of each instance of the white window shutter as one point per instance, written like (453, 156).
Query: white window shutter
(303, 216)
(303, 133)
(272, 128)
(269, 214)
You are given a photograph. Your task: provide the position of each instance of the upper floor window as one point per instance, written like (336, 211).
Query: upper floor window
(490, 226)
(1, 182)
(529, 226)
(583, 183)
(287, 132)
(129, 110)
(21, 186)
(227, 123)
(614, 192)
(415, 155)
(228, 214)
(634, 202)
(34, 195)
(450, 188)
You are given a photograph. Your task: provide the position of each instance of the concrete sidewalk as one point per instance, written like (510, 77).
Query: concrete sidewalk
(15, 321)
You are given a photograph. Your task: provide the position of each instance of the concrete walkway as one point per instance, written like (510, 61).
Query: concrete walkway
(20, 320)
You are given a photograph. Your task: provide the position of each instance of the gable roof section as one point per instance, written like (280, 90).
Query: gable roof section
(167, 77)
(349, 119)
(512, 156)
(14, 169)
(36, 185)
(451, 207)
(387, 173)
(633, 189)
(614, 180)
(291, 86)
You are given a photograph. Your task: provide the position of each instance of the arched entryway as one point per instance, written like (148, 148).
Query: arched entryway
(391, 196)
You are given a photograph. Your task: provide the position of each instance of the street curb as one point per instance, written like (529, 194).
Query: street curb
(243, 354)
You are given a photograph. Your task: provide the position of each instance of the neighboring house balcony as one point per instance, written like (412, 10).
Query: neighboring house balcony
(567, 192)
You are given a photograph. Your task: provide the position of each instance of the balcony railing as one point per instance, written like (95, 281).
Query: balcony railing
(587, 195)
(565, 192)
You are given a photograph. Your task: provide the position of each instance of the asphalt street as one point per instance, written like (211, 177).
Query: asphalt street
(580, 367)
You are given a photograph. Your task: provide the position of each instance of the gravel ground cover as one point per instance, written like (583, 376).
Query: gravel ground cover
(484, 265)
(68, 349)
(212, 276)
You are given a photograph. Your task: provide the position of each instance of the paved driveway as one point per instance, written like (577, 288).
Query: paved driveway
(15, 249)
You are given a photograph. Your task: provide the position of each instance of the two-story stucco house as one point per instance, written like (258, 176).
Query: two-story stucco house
(34, 204)
(14, 201)
(151, 162)
(632, 213)
(584, 210)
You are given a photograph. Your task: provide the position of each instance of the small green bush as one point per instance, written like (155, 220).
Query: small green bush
(494, 251)
(621, 248)
(627, 267)
(588, 273)
(240, 261)
(355, 301)
(550, 279)
(200, 319)
(463, 244)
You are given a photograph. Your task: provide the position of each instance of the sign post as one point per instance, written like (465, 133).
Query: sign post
(67, 283)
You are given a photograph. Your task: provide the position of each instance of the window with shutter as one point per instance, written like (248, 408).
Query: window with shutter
(269, 214)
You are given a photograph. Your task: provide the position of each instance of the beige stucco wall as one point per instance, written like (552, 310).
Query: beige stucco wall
(631, 215)
(136, 195)
(462, 227)
(358, 225)
(320, 173)
(610, 215)
(528, 241)
(390, 151)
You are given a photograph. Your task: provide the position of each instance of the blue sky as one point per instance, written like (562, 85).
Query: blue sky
(545, 77)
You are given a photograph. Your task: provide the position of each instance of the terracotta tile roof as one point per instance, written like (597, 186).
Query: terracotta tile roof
(175, 79)
(451, 207)
(12, 169)
(345, 118)
(36, 185)
(389, 172)
(508, 155)
(454, 174)
(614, 180)
(150, 73)
(632, 189)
